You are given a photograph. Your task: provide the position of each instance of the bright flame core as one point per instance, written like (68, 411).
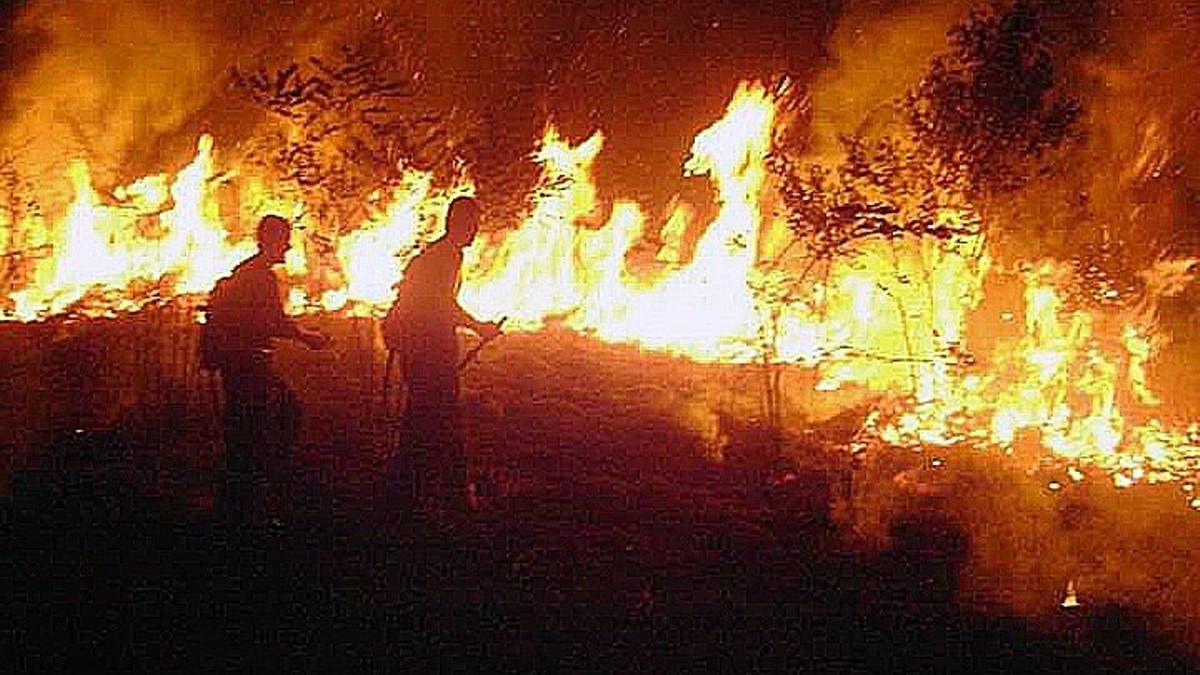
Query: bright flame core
(892, 318)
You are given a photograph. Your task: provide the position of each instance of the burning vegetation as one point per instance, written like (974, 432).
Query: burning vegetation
(889, 265)
(944, 248)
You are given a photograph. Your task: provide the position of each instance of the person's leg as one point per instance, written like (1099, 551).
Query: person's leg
(429, 428)
(279, 458)
(456, 450)
(448, 467)
(246, 413)
(417, 451)
(239, 430)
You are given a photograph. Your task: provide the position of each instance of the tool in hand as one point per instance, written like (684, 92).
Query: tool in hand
(470, 356)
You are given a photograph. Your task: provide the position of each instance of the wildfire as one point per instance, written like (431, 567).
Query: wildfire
(150, 231)
(1070, 597)
(1069, 382)
(555, 266)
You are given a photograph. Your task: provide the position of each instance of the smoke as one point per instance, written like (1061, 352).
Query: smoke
(1143, 124)
(128, 85)
(879, 50)
(103, 78)
(1132, 177)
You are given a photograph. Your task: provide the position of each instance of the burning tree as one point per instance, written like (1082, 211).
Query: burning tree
(351, 128)
(355, 121)
(901, 218)
(989, 110)
(978, 125)
(18, 243)
(360, 123)
(993, 115)
(883, 193)
(886, 189)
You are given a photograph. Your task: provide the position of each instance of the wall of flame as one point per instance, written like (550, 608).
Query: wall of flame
(894, 318)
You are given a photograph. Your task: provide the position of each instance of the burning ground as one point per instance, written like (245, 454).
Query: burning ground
(636, 515)
(847, 345)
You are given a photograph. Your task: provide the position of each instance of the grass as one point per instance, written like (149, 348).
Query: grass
(640, 518)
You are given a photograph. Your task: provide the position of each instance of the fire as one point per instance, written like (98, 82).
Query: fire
(1070, 597)
(533, 272)
(1070, 387)
(373, 257)
(1072, 383)
(556, 266)
(151, 231)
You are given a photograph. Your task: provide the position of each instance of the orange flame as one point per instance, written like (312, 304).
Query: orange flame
(101, 246)
(892, 317)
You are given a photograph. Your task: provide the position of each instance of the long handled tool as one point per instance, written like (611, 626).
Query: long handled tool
(470, 356)
(394, 361)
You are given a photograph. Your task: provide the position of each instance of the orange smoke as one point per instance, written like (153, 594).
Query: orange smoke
(892, 317)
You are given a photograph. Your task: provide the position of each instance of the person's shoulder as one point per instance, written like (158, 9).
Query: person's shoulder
(435, 254)
(443, 251)
(436, 247)
(247, 266)
(253, 268)
(250, 275)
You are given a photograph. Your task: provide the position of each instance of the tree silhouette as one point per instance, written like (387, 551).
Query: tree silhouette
(989, 109)
(351, 126)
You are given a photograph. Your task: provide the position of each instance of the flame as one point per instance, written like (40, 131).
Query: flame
(1069, 387)
(554, 265)
(374, 256)
(1070, 598)
(104, 246)
(891, 317)
(532, 272)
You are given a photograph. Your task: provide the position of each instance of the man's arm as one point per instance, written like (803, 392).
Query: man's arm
(485, 329)
(284, 326)
(279, 324)
(451, 272)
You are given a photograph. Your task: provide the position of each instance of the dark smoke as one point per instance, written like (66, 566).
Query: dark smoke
(130, 84)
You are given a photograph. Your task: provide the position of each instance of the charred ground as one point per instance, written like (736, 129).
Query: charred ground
(624, 529)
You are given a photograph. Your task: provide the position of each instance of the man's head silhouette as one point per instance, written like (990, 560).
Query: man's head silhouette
(274, 238)
(462, 221)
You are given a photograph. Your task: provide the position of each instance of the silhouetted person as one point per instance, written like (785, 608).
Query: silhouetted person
(431, 459)
(261, 412)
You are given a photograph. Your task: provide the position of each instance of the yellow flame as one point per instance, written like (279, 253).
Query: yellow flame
(1070, 598)
(374, 256)
(892, 317)
(533, 272)
(102, 246)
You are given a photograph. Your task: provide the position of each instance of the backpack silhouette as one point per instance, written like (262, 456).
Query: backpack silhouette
(219, 330)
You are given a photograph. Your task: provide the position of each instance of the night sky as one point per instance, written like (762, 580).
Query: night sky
(650, 75)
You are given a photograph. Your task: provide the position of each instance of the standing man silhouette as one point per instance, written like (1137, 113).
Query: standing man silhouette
(261, 412)
(432, 460)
